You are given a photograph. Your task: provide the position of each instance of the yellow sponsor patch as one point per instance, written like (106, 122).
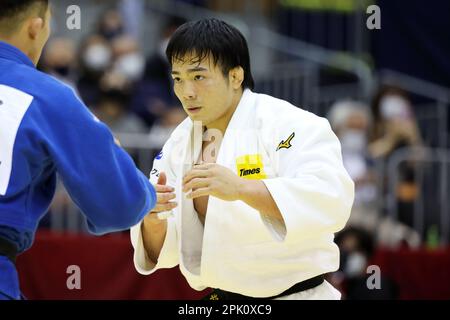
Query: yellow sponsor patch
(250, 166)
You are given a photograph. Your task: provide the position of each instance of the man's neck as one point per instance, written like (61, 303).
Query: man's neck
(17, 43)
(222, 123)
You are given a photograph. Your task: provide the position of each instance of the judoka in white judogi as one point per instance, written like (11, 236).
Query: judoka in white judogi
(298, 157)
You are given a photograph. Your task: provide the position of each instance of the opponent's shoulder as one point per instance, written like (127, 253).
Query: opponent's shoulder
(49, 94)
(33, 82)
(48, 97)
(54, 90)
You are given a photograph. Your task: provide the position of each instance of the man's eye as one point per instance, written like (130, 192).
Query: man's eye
(199, 77)
(176, 80)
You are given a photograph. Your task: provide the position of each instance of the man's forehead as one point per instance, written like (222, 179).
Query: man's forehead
(193, 60)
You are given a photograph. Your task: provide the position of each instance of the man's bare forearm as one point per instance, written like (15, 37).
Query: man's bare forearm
(255, 194)
(153, 235)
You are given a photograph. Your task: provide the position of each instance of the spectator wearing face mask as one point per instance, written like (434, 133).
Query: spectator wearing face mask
(154, 97)
(112, 108)
(395, 127)
(357, 249)
(350, 121)
(95, 59)
(59, 60)
(128, 61)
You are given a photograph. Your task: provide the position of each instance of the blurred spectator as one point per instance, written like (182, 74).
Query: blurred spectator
(59, 60)
(113, 105)
(154, 94)
(129, 61)
(394, 124)
(95, 59)
(111, 25)
(350, 121)
(157, 67)
(113, 108)
(394, 128)
(357, 249)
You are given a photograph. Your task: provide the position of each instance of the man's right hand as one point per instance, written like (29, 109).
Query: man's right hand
(154, 228)
(164, 194)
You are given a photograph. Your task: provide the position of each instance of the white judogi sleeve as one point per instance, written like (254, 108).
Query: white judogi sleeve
(168, 257)
(312, 189)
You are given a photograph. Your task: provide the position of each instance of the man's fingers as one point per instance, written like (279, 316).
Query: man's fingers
(164, 197)
(204, 166)
(162, 179)
(196, 183)
(199, 193)
(160, 207)
(194, 173)
(162, 188)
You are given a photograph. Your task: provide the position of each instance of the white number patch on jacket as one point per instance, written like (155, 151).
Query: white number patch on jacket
(13, 106)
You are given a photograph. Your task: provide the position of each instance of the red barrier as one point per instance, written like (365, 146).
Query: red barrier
(419, 274)
(106, 266)
(107, 271)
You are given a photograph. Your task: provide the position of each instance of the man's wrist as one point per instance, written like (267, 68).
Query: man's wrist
(153, 221)
(245, 189)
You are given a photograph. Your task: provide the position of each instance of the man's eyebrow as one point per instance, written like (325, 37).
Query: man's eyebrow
(196, 69)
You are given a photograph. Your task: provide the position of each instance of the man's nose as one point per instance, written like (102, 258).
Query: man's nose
(189, 92)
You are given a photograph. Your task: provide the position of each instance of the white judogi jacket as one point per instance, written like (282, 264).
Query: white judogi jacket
(298, 157)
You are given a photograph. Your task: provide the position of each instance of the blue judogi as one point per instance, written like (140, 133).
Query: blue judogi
(45, 129)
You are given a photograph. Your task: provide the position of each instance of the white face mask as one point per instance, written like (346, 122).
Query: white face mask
(356, 263)
(353, 140)
(97, 57)
(394, 107)
(131, 66)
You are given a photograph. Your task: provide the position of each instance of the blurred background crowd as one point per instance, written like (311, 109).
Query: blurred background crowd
(385, 92)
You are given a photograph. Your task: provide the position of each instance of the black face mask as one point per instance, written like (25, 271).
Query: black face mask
(111, 33)
(62, 70)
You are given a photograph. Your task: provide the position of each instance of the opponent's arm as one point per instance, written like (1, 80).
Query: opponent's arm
(100, 176)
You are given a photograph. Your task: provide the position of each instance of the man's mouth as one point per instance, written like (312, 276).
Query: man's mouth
(193, 109)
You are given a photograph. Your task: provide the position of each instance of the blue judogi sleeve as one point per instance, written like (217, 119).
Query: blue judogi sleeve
(100, 177)
(46, 130)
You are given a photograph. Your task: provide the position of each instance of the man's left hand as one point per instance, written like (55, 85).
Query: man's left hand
(212, 180)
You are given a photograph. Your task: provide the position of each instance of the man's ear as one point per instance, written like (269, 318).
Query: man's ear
(236, 76)
(35, 25)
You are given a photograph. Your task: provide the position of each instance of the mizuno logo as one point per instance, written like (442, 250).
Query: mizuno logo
(286, 144)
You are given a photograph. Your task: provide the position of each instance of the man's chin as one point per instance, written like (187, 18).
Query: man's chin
(197, 118)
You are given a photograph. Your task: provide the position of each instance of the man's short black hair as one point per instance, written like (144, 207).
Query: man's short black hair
(223, 42)
(12, 11)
